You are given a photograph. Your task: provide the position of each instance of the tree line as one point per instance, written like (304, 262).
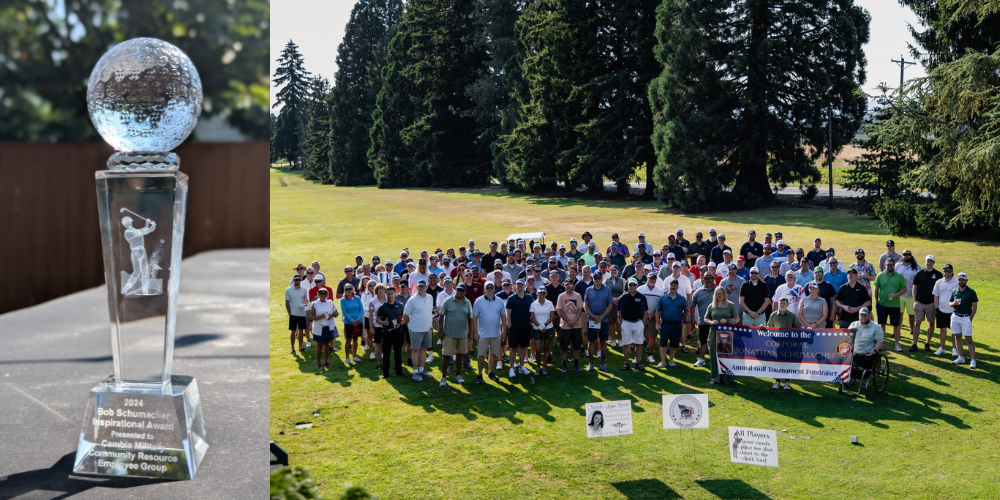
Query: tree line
(716, 101)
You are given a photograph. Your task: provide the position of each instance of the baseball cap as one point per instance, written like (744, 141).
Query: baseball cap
(404, 282)
(657, 252)
(593, 245)
(852, 270)
(568, 282)
(614, 235)
(537, 245)
(422, 283)
(376, 259)
(422, 261)
(860, 250)
(506, 281)
(929, 257)
(754, 270)
(790, 273)
(598, 275)
(489, 284)
(723, 235)
(818, 270)
(297, 277)
(711, 231)
(830, 250)
(671, 255)
(962, 275)
(730, 252)
(572, 240)
(447, 279)
(553, 259)
(948, 266)
(642, 235)
(767, 234)
(781, 242)
(461, 286)
(648, 267)
(319, 277)
(712, 264)
(676, 264)
(520, 282)
(890, 242)
(541, 290)
(395, 276)
(813, 285)
(477, 252)
(603, 263)
(562, 247)
(864, 310)
(698, 234)
(740, 258)
(752, 231)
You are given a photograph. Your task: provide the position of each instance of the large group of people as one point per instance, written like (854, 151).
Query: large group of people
(517, 300)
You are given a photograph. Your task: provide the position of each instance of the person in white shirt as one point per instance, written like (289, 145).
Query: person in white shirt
(543, 314)
(366, 299)
(943, 310)
(652, 292)
(722, 268)
(791, 290)
(418, 316)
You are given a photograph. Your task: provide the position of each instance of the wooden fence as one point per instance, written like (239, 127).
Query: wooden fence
(49, 235)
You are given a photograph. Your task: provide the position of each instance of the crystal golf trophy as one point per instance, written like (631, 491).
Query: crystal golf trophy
(144, 98)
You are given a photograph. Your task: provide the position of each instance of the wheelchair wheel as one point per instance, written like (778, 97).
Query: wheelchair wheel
(881, 375)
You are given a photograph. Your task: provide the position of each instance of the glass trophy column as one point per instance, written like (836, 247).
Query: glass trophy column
(142, 420)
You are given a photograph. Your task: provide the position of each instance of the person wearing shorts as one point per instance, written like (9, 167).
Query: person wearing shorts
(570, 309)
(652, 292)
(632, 308)
(965, 302)
(418, 317)
(323, 313)
(543, 314)
(617, 286)
(942, 311)
(519, 334)
(597, 304)
(489, 324)
(887, 288)
(390, 317)
(350, 304)
(455, 332)
(670, 311)
(922, 291)
(296, 299)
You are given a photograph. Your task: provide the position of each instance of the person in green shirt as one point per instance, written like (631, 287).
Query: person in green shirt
(965, 302)
(455, 331)
(721, 312)
(783, 318)
(888, 287)
(574, 253)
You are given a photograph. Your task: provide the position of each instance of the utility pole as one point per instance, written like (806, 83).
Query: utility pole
(903, 63)
(829, 127)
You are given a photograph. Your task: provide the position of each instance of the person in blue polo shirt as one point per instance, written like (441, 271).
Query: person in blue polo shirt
(670, 310)
(597, 304)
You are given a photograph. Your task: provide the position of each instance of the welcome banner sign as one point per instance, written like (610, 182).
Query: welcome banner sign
(817, 355)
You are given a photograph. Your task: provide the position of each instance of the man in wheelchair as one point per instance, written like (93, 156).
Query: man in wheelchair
(868, 337)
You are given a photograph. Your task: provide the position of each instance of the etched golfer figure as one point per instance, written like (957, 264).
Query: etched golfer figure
(143, 269)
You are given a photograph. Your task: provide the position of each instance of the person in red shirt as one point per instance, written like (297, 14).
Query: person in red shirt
(320, 283)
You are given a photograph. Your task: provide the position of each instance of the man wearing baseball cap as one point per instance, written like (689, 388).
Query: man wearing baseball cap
(597, 303)
(296, 300)
(720, 248)
(519, 334)
(890, 253)
(943, 311)
(569, 306)
(751, 250)
(965, 302)
(851, 297)
(923, 302)
(642, 243)
(390, 317)
(456, 329)
(489, 322)
(868, 339)
(699, 247)
(889, 286)
(418, 316)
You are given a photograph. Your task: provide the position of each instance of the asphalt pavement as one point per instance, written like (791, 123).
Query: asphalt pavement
(53, 353)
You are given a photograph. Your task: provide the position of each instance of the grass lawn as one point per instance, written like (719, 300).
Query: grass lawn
(933, 434)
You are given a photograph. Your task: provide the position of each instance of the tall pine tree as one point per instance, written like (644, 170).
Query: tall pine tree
(317, 136)
(496, 22)
(289, 130)
(360, 57)
(422, 135)
(744, 92)
(559, 62)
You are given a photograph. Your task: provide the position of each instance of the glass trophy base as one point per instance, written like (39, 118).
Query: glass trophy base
(142, 430)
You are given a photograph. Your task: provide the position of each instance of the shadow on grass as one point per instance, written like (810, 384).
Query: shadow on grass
(731, 488)
(511, 398)
(645, 489)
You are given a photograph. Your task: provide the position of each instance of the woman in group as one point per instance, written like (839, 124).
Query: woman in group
(813, 309)
(354, 314)
(373, 305)
(366, 298)
(323, 313)
(721, 312)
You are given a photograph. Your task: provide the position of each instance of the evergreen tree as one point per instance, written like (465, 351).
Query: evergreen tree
(618, 137)
(289, 131)
(559, 62)
(744, 92)
(270, 134)
(422, 135)
(952, 28)
(360, 58)
(317, 143)
(496, 24)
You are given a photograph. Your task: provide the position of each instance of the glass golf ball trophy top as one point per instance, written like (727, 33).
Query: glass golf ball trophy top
(144, 98)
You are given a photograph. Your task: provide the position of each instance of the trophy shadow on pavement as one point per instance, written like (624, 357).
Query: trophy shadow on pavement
(58, 479)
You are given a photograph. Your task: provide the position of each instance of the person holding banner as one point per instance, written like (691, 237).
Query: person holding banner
(721, 312)
(783, 318)
(701, 299)
(753, 300)
(790, 289)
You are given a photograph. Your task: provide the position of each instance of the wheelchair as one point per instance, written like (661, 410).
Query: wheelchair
(865, 378)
